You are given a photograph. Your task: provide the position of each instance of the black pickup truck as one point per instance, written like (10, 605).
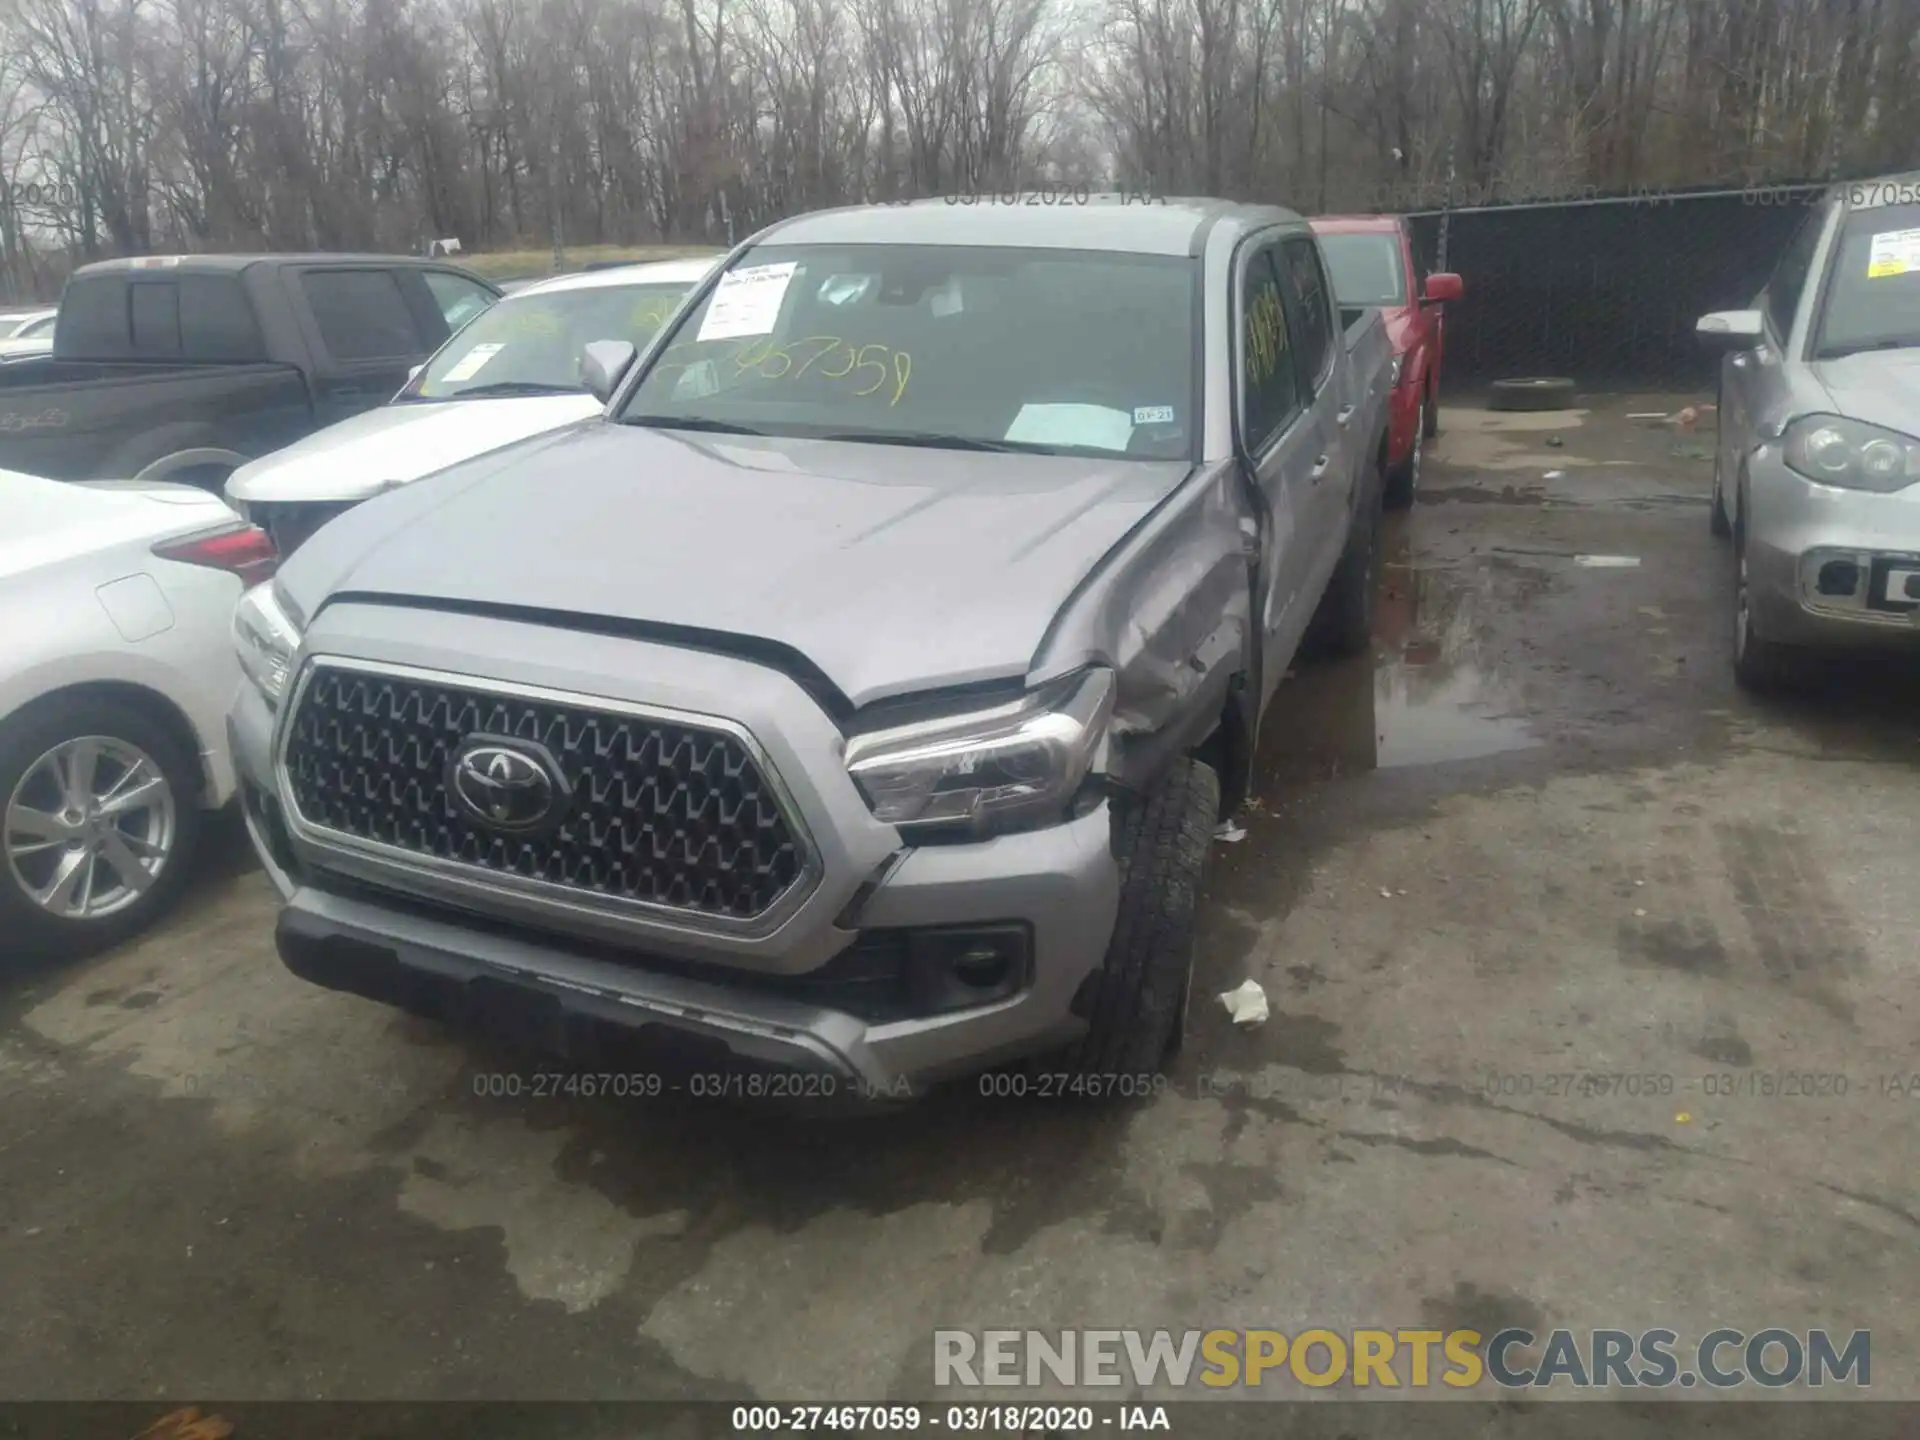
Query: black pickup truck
(185, 367)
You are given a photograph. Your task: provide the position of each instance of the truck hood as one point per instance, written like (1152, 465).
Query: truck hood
(394, 444)
(1881, 387)
(892, 569)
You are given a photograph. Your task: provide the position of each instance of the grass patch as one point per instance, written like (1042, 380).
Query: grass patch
(526, 264)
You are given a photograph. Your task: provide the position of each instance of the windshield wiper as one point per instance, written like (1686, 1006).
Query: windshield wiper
(690, 422)
(925, 441)
(1840, 352)
(512, 387)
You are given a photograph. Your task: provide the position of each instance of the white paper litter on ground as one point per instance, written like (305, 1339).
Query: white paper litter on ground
(1247, 1005)
(1607, 562)
(1228, 831)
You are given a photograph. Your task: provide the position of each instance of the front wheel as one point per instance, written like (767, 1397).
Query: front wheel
(1403, 481)
(1139, 1001)
(1759, 665)
(99, 818)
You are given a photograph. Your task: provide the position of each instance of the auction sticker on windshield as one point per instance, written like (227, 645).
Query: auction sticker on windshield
(1895, 252)
(747, 302)
(470, 363)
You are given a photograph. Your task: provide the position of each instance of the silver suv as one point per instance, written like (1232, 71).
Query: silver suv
(859, 695)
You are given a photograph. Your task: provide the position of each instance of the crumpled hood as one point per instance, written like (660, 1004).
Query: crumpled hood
(892, 569)
(395, 444)
(1881, 387)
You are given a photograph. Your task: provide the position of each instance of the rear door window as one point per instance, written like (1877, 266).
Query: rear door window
(216, 320)
(362, 314)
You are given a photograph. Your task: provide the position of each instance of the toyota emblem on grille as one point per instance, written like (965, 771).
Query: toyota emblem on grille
(511, 785)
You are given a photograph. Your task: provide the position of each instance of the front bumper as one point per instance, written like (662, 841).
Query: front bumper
(1820, 559)
(569, 980)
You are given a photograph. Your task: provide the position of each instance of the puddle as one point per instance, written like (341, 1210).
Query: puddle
(1427, 695)
(1429, 715)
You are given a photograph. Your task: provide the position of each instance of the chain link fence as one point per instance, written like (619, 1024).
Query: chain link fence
(1604, 290)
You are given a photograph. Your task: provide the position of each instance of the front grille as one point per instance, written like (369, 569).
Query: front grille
(663, 814)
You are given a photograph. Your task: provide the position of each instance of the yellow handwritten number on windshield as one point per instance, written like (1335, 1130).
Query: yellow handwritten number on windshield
(774, 362)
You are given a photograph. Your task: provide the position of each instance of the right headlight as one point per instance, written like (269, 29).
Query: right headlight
(266, 633)
(989, 770)
(1851, 453)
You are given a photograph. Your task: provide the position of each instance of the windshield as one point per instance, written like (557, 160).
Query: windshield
(1367, 269)
(1873, 285)
(973, 347)
(531, 343)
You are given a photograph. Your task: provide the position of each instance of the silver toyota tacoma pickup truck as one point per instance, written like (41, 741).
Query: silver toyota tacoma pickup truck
(858, 696)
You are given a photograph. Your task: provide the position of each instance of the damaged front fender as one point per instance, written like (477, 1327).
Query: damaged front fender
(1168, 609)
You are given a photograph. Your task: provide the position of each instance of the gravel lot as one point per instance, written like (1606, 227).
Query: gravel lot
(1538, 835)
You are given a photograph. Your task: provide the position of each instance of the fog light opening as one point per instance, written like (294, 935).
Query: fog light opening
(982, 965)
(1839, 577)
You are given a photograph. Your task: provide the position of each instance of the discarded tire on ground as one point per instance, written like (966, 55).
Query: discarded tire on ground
(1541, 392)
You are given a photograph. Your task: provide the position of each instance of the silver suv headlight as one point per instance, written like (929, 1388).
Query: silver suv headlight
(266, 633)
(1851, 453)
(988, 770)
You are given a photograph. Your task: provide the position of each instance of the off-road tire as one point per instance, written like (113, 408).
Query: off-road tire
(1538, 392)
(1139, 1002)
(30, 931)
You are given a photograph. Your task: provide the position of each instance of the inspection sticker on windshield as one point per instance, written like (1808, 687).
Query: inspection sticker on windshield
(1153, 414)
(1895, 252)
(747, 302)
(471, 362)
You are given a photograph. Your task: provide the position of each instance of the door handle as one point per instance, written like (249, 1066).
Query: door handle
(1320, 468)
(1739, 362)
(1346, 414)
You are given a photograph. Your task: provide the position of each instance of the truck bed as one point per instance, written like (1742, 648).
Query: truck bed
(75, 419)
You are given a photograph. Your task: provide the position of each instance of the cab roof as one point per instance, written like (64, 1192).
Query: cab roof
(1357, 224)
(231, 264)
(1119, 222)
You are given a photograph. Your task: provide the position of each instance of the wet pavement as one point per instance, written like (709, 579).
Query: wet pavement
(1536, 835)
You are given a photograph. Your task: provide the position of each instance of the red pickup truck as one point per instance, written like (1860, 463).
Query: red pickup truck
(1373, 263)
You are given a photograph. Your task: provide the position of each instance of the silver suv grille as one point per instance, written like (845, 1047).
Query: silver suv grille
(664, 814)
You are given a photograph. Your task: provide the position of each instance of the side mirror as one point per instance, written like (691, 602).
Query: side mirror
(1443, 286)
(1731, 329)
(414, 373)
(602, 363)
